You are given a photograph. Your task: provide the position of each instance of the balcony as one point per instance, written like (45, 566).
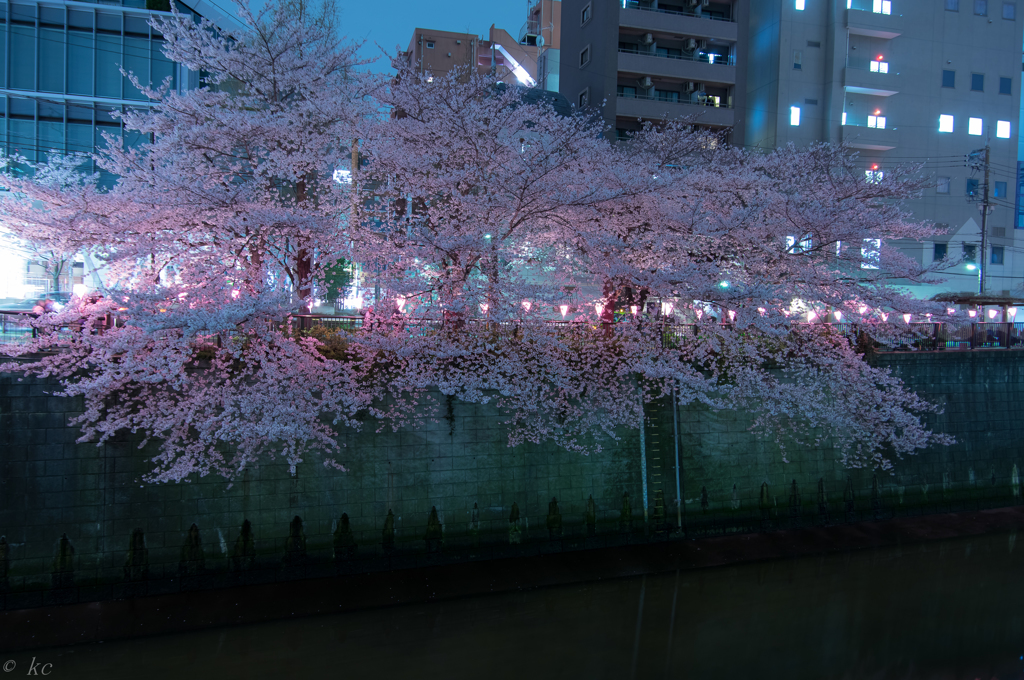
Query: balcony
(863, 81)
(675, 67)
(665, 21)
(874, 24)
(650, 108)
(875, 139)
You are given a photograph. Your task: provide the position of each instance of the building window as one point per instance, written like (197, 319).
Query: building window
(997, 255)
(1003, 129)
(799, 4)
(970, 252)
(876, 122)
(972, 187)
(948, 78)
(977, 82)
(798, 60)
(881, 6)
(1000, 190)
(626, 91)
(1005, 85)
(945, 123)
(871, 253)
(940, 252)
(794, 115)
(584, 98)
(666, 96)
(585, 56)
(585, 15)
(844, 118)
(814, 43)
(811, 102)
(952, 5)
(879, 67)
(974, 126)
(942, 185)
(430, 44)
(981, 8)
(1009, 11)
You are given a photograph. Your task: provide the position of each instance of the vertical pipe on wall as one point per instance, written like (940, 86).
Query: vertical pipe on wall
(643, 454)
(675, 440)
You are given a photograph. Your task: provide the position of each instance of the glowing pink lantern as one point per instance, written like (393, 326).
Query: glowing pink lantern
(235, 294)
(762, 311)
(732, 315)
(972, 314)
(599, 308)
(992, 313)
(863, 310)
(1011, 312)
(950, 311)
(906, 318)
(666, 308)
(838, 315)
(484, 308)
(564, 309)
(885, 316)
(400, 302)
(526, 305)
(700, 314)
(634, 309)
(811, 316)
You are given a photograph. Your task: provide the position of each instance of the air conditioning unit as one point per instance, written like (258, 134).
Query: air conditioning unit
(690, 44)
(692, 86)
(646, 82)
(648, 39)
(705, 3)
(702, 44)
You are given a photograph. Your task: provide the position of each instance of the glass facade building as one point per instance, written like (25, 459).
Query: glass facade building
(60, 73)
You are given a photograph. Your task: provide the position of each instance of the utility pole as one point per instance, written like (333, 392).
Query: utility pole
(975, 163)
(983, 262)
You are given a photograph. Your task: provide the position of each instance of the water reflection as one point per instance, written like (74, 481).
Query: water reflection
(951, 609)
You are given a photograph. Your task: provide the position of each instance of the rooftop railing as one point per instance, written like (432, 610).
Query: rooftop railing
(705, 57)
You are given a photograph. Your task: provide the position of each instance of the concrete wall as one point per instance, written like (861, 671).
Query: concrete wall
(50, 486)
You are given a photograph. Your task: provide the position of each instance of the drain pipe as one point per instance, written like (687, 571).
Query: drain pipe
(675, 439)
(643, 454)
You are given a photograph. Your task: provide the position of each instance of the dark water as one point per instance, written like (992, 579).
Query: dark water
(952, 609)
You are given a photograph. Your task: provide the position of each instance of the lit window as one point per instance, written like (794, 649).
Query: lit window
(874, 176)
(879, 67)
(849, 4)
(585, 15)
(800, 5)
(876, 121)
(942, 185)
(1000, 190)
(974, 126)
(844, 117)
(1003, 129)
(794, 115)
(945, 123)
(997, 255)
(973, 186)
(881, 6)
(870, 253)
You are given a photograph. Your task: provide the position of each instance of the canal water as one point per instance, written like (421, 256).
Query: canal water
(949, 609)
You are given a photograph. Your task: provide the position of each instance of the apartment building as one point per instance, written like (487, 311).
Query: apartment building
(651, 60)
(435, 53)
(905, 81)
(543, 29)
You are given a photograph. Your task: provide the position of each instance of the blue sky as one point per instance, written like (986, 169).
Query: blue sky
(392, 23)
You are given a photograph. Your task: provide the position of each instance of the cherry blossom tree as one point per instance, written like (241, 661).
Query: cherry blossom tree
(522, 260)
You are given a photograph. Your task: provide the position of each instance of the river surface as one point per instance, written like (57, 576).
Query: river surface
(950, 609)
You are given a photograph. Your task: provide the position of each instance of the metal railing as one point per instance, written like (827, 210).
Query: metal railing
(632, 4)
(707, 102)
(16, 326)
(705, 58)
